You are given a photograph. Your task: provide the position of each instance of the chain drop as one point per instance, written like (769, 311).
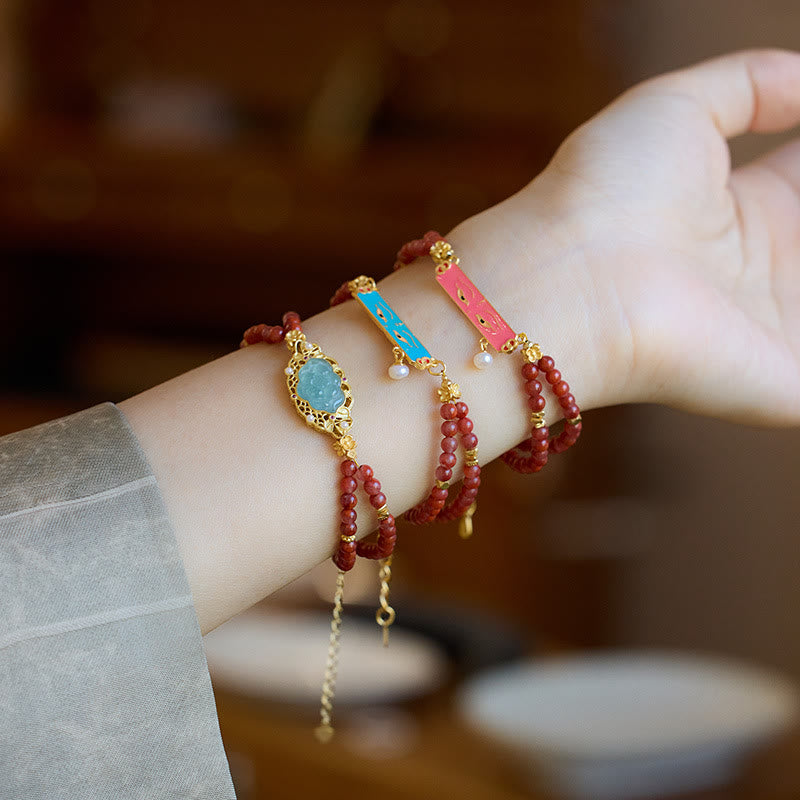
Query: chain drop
(324, 731)
(385, 615)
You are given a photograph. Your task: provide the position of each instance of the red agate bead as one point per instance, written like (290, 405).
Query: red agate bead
(531, 455)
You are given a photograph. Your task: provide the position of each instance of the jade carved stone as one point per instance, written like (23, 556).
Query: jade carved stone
(319, 385)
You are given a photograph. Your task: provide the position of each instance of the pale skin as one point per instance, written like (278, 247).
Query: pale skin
(638, 260)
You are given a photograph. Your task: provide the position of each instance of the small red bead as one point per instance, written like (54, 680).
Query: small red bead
(449, 444)
(536, 403)
(365, 472)
(443, 473)
(450, 428)
(539, 458)
(462, 409)
(448, 460)
(560, 389)
(448, 411)
(533, 388)
(472, 483)
(570, 412)
(437, 505)
(348, 528)
(465, 425)
(470, 441)
(348, 500)
(275, 334)
(370, 550)
(554, 376)
(472, 470)
(345, 561)
(566, 400)
(546, 363)
(348, 484)
(348, 467)
(539, 445)
(540, 433)
(559, 445)
(256, 333)
(378, 499)
(438, 493)
(387, 524)
(529, 371)
(372, 486)
(348, 515)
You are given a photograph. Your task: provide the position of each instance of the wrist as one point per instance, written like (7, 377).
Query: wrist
(539, 269)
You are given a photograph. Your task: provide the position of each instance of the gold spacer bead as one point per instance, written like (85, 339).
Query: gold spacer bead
(293, 335)
(442, 484)
(348, 538)
(575, 420)
(382, 512)
(537, 419)
(442, 253)
(471, 457)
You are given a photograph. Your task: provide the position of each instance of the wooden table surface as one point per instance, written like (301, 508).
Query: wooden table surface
(274, 755)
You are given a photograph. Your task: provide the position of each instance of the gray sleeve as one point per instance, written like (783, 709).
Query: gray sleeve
(105, 690)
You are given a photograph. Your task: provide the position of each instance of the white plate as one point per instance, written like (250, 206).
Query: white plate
(281, 656)
(630, 724)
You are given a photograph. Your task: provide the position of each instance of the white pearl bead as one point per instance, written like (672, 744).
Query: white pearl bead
(398, 371)
(482, 359)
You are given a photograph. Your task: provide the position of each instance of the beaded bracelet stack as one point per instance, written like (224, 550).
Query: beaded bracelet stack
(531, 455)
(321, 395)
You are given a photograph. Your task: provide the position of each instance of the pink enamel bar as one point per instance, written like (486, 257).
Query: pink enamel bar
(480, 312)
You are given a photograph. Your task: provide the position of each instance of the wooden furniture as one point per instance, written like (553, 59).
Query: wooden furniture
(274, 755)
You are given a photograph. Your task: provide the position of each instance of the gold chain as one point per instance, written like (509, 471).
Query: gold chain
(385, 615)
(324, 731)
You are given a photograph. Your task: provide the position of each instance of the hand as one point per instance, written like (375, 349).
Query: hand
(699, 266)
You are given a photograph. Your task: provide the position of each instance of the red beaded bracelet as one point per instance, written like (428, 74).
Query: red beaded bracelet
(408, 348)
(321, 395)
(531, 455)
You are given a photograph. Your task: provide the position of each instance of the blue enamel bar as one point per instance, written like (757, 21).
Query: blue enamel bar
(394, 327)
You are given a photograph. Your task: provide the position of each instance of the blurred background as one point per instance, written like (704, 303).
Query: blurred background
(173, 172)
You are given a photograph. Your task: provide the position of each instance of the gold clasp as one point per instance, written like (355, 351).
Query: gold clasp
(465, 526)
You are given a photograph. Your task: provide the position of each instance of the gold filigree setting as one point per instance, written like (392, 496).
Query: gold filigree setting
(335, 423)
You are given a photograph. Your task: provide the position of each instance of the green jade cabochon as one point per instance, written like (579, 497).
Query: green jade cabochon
(320, 386)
